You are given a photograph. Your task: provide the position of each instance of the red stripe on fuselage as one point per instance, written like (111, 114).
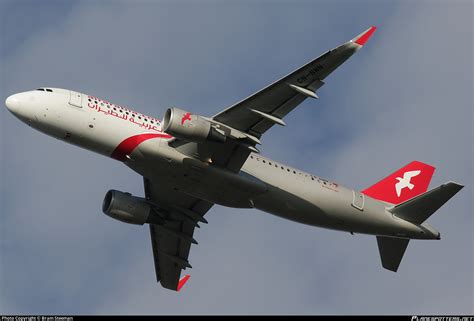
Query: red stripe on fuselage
(127, 146)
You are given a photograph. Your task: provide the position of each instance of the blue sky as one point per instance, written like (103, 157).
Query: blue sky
(407, 95)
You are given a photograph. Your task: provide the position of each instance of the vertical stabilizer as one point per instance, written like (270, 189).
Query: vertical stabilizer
(406, 183)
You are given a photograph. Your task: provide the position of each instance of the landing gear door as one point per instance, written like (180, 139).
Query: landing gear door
(358, 200)
(75, 99)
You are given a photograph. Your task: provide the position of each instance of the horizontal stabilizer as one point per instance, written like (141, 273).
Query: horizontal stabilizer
(419, 208)
(391, 251)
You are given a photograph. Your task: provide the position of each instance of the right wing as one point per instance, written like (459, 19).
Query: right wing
(171, 240)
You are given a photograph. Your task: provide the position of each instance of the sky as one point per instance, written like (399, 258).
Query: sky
(407, 95)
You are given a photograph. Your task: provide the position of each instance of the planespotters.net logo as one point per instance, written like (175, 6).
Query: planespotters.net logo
(431, 318)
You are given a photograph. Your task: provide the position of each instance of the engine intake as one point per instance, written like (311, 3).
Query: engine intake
(126, 208)
(194, 128)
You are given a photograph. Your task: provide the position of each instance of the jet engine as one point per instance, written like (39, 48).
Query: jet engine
(126, 208)
(194, 128)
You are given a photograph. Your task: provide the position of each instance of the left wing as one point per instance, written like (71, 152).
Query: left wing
(259, 112)
(171, 240)
(253, 116)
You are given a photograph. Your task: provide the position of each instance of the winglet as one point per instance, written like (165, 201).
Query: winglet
(183, 281)
(363, 37)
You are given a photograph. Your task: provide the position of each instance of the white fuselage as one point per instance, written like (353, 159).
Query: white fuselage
(137, 140)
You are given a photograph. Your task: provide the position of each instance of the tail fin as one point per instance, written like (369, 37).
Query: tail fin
(418, 209)
(391, 251)
(404, 184)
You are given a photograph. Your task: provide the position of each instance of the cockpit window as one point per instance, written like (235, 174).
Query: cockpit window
(40, 89)
(49, 90)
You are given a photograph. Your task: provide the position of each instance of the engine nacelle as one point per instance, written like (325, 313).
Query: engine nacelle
(126, 208)
(194, 128)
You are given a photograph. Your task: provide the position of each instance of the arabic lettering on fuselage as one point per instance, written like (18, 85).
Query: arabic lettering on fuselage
(123, 113)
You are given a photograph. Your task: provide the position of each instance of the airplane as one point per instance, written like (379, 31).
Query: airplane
(190, 162)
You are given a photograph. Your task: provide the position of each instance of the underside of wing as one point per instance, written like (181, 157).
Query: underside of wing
(257, 113)
(171, 239)
(254, 115)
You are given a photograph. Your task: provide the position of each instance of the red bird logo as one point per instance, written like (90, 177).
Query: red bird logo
(186, 116)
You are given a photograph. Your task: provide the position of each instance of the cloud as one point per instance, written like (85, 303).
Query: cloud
(406, 96)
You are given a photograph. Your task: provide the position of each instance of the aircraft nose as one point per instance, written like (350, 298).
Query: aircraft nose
(12, 103)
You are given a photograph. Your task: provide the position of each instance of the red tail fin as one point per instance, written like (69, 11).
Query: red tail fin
(406, 183)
